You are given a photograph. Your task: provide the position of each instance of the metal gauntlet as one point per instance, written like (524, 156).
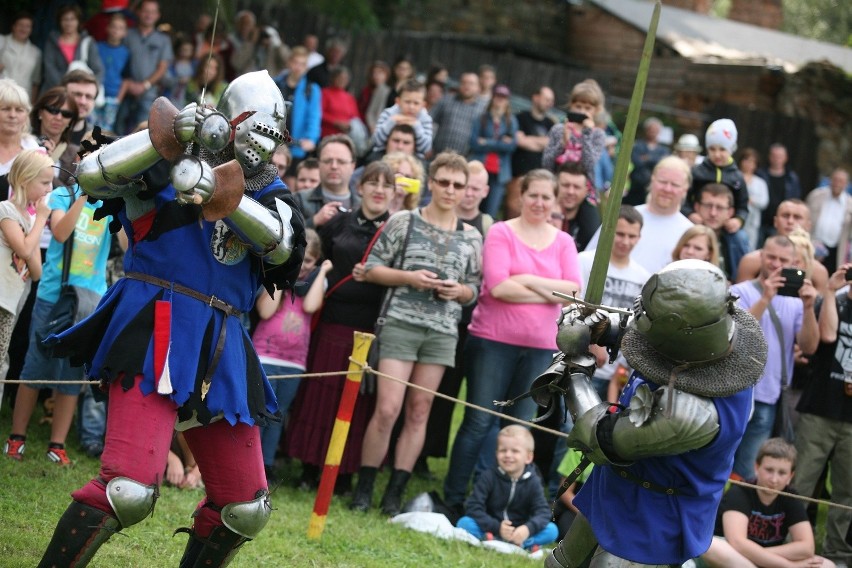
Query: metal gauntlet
(267, 233)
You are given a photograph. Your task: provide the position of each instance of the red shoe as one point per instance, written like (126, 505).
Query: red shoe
(15, 449)
(58, 456)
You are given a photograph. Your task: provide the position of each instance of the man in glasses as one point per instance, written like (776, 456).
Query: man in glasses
(83, 87)
(336, 165)
(715, 204)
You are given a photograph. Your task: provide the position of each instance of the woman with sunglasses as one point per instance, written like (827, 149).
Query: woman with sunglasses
(51, 118)
(512, 333)
(431, 261)
(349, 306)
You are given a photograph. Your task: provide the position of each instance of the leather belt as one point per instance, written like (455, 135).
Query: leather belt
(650, 485)
(211, 301)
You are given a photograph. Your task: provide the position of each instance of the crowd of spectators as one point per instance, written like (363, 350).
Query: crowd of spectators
(500, 204)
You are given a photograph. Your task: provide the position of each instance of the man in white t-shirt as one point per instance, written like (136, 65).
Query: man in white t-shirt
(624, 280)
(663, 223)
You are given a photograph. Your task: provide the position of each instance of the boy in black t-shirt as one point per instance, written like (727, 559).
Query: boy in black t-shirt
(757, 523)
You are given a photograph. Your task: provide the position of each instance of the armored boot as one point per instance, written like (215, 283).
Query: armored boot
(79, 534)
(576, 548)
(392, 500)
(215, 551)
(362, 498)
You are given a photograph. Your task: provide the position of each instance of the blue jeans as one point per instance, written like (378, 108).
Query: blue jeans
(91, 418)
(758, 431)
(547, 535)
(285, 392)
(495, 371)
(38, 365)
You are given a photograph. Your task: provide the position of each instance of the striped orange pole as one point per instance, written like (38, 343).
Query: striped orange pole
(340, 432)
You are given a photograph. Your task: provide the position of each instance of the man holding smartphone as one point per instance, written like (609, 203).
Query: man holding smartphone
(784, 320)
(824, 430)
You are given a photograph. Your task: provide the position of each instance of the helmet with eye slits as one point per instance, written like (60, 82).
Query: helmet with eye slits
(256, 110)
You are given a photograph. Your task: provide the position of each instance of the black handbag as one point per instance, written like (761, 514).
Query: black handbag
(74, 303)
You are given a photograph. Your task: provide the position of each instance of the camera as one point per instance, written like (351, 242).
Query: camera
(577, 117)
(794, 278)
(409, 185)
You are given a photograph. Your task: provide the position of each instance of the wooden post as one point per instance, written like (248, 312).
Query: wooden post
(339, 434)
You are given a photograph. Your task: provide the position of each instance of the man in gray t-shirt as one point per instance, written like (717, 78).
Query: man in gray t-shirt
(150, 56)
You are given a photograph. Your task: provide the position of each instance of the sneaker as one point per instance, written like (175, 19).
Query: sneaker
(58, 456)
(14, 449)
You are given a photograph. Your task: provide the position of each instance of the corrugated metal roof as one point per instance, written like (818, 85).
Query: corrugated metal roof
(708, 39)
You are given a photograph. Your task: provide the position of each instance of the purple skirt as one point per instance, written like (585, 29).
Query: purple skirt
(314, 409)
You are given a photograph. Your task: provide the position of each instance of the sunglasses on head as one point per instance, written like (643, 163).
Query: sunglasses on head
(56, 110)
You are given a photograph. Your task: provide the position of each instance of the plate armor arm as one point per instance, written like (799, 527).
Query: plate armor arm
(109, 172)
(269, 234)
(664, 422)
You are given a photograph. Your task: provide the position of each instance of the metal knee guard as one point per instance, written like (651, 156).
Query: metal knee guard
(248, 517)
(242, 522)
(131, 500)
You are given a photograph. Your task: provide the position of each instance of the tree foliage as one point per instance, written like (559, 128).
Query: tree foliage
(825, 20)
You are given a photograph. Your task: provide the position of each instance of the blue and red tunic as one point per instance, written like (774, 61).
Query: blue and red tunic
(145, 329)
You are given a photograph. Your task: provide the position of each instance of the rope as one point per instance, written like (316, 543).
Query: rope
(462, 402)
(368, 369)
(793, 495)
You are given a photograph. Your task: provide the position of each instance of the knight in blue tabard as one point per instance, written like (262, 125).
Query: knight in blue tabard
(664, 452)
(209, 223)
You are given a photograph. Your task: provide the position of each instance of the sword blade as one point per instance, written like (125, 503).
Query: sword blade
(597, 277)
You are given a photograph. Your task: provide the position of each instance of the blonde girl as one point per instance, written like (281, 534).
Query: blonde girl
(30, 179)
(699, 242)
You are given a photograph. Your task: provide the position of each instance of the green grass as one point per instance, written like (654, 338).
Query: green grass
(35, 492)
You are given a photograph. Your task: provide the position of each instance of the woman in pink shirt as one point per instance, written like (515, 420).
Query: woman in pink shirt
(513, 331)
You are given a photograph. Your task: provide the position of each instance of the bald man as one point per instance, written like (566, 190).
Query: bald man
(791, 214)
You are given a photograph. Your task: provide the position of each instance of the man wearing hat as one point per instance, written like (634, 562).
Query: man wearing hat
(688, 149)
(663, 454)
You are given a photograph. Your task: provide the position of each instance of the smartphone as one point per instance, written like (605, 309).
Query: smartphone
(794, 279)
(577, 117)
(410, 185)
(848, 274)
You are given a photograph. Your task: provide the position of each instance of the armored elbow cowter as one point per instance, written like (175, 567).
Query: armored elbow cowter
(267, 233)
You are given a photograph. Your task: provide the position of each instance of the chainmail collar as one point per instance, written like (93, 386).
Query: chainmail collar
(258, 181)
